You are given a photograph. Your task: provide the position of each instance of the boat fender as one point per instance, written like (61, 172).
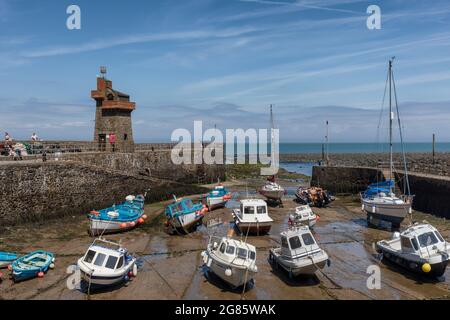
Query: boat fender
(127, 278)
(317, 217)
(426, 267)
(135, 270)
(40, 274)
(362, 207)
(123, 225)
(52, 266)
(9, 267)
(53, 259)
(144, 217)
(374, 209)
(132, 224)
(141, 220)
(396, 235)
(228, 272)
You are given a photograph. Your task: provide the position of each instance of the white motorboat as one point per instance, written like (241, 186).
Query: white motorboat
(299, 253)
(379, 200)
(272, 190)
(303, 215)
(420, 248)
(233, 261)
(252, 217)
(106, 263)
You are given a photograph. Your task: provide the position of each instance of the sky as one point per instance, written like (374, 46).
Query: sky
(224, 62)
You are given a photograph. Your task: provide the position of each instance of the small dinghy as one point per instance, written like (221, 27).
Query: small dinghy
(34, 264)
(184, 216)
(7, 258)
(252, 217)
(217, 198)
(303, 215)
(299, 253)
(118, 218)
(106, 263)
(420, 248)
(231, 260)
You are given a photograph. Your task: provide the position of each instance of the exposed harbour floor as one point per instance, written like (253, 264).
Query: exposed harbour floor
(170, 267)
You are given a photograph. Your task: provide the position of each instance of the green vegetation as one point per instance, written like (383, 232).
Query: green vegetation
(243, 171)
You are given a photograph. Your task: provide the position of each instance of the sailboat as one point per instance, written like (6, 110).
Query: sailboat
(379, 201)
(272, 190)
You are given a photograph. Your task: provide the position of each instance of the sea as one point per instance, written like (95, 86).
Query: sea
(290, 148)
(295, 148)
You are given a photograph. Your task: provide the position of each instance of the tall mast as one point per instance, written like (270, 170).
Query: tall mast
(391, 118)
(272, 137)
(327, 146)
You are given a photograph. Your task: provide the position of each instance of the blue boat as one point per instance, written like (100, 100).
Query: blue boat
(6, 258)
(378, 188)
(118, 218)
(217, 197)
(183, 216)
(34, 264)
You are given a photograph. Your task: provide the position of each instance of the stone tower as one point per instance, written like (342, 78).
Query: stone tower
(113, 115)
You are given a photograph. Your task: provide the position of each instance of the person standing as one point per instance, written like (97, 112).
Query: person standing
(112, 141)
(34, 137)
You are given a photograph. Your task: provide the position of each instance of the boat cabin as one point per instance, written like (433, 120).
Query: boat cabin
(422, 239)
(103, 256)
(234, 251)
(298, 242)
(253, 209)
(304, 213)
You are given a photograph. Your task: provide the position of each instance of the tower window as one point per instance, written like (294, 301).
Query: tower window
(125, 136)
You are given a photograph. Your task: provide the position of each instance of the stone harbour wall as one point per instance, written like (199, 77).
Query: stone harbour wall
(417, 162)
(431, 193)
(38, 191)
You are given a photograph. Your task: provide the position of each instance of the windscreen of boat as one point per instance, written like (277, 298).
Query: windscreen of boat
(295, 242)
(242, 253)
(249, 210)
(261, 209)
(284, 242)
(111, 262)
(120, 264)
(427, 239)
(230, 250)
(100, 259)
(308, 239)
(407, 243)
(89, 256)
(252, 255)
(439, 236)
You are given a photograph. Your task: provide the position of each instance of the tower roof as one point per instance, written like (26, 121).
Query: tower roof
(108, 98)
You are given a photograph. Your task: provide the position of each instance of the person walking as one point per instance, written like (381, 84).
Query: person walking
(112, 141)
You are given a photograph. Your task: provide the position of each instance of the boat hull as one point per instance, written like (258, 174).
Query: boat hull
(186, 223)
(296, 267)
(252, 228)
(437, 268)
(238, 277)
(214, 203)
(99, 227)
(393, 213)
(273, 195)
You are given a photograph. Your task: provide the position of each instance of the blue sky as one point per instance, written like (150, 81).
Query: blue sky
(224, 62)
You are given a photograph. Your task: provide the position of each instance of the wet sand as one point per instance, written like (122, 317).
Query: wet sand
(170, 267)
